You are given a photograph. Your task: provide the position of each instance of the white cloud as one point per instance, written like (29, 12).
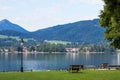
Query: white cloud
(6, 0)
(89, 2)
(37, 14)
(5, 8)
(94, 2)
(40, 18)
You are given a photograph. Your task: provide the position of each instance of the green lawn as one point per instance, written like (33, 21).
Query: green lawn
(62, 75)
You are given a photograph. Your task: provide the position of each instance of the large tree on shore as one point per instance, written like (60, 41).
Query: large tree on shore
(110, 19)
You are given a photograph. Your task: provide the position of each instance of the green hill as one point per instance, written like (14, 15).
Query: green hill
(88, 31)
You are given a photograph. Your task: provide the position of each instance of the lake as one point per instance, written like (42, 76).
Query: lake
(12, 61)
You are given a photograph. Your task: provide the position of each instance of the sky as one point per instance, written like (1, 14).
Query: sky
(39, 14)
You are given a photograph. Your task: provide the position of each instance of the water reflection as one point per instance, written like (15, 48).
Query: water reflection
(11, 61)
(87, 57)
(118, 58)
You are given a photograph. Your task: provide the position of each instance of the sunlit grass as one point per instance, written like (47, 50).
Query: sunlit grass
(62, 75)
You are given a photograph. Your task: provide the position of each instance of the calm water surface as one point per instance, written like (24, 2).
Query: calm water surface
(12, 61)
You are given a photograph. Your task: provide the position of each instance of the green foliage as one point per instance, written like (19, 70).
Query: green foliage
(97, 48)
(62, 75)
(8, 42)
(3, 36)
(51, 48)
(88, 31)
(110, 19)
(57, 42)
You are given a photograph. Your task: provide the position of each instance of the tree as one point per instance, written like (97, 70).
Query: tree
(110, 20)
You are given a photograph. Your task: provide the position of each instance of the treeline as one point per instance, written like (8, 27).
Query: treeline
(11, 42)
(33, 45)
(62, 47)
(48, 48)
(8, 42)
(97, 48)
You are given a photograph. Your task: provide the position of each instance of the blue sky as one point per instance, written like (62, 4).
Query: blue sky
(38, 14)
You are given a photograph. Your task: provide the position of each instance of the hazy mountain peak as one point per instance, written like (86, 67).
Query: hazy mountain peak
(7, 25)
(4, 20)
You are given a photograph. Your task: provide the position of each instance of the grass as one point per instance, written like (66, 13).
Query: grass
(2, 36)
(58, 42)
(62, 75)
(15, 37)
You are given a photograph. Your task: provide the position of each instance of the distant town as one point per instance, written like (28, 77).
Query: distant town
(59, 47)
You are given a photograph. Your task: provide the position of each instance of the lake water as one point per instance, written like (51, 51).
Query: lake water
(12, 61)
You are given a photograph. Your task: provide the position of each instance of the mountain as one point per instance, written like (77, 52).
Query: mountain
(7, 25)
(88, 31)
